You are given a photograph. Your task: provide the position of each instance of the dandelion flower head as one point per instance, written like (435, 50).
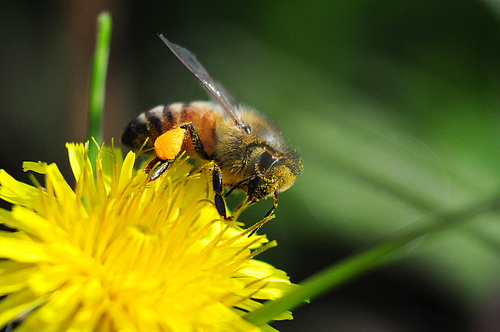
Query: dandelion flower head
(119, 253)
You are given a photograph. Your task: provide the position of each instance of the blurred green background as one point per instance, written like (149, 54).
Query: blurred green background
(395, 106)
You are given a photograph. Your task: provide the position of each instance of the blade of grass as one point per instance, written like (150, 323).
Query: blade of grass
(98, 82)
(373, 257)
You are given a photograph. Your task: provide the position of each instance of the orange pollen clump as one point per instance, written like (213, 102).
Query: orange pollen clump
(168, 145)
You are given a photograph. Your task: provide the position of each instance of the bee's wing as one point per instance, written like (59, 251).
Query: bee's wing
(189, 60)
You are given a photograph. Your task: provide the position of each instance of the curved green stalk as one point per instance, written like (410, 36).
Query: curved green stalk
(374, 256)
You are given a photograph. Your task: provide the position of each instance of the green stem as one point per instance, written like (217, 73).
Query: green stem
(375, 256)
(98, 82)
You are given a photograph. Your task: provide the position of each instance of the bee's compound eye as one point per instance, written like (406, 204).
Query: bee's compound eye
(266, 160)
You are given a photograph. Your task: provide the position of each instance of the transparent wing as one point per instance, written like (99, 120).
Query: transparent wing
(189, 60)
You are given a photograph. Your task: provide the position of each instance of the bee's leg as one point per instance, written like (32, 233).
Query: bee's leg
(275, 205)
(160, 170)
(162, 167)
(152, 164)
(237, 185)
(220, 205)
(218, 187)
(268, 214)
(197, 143)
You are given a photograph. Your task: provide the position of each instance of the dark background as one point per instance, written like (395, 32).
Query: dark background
(393, 104)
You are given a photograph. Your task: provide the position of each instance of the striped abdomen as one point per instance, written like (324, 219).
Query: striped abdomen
(204, 115)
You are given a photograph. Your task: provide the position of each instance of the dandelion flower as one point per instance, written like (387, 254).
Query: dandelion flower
(119, 253)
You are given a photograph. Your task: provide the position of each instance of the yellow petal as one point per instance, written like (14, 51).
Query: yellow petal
(18, 304)
(14, 276)
(61, 305)
(62, 190)
(126, 171)
(77, 158)
(32, 223)
(15, 192)
(25, 251)
(37, 167)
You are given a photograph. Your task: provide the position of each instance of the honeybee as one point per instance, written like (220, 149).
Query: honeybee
(248, 151)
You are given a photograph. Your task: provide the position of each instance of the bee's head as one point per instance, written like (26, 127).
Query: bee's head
(273, 173)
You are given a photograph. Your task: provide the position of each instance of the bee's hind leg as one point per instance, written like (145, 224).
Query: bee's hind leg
(162, 167)
(195, 139)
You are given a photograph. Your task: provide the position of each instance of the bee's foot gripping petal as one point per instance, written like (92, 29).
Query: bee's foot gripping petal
(160, 170)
